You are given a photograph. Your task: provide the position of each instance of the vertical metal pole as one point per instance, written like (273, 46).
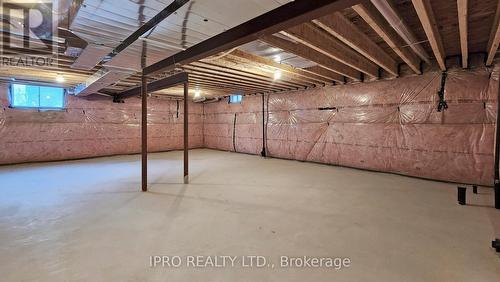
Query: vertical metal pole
(263, 152)
(144, 121)
(497, 157)
(186, 134)
(144, 133)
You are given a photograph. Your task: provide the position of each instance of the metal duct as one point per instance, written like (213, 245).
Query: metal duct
(102, 78)
(390, 14)
(91, 56)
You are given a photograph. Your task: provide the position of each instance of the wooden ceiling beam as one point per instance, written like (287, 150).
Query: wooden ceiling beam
(494, 38)
(270, 71)
(221, 86)
(298, 73)
(312, 55)
(216, 74)
(462, 6)
(326, 73)
(242, 69)
(208, 77)
(343, 29)
(426, 16)
(313, 37)
(228, 72)
(378, 23)
(283, 17)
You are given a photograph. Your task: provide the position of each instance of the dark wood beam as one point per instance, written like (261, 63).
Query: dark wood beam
(279, 19)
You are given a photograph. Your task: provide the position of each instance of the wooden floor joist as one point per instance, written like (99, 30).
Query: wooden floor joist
(313, 56)
(462, 6)
(313, 37)
(343, 29)
(247, 71)
(286, 75)
(210, 74)
(232, 73)
(494, 40)
(377, 22)
(318, 70)
(426, 16)
(281, 18)
(283, 67)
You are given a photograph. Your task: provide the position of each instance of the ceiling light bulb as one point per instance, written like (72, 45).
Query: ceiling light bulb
(277, 59)
(277, 74)
(197, 93)
(60, 78)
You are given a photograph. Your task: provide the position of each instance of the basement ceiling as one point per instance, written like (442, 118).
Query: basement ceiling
(103, 22)
(303, 55)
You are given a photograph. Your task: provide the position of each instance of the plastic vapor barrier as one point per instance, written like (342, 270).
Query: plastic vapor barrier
(389, 126)
(91, 127)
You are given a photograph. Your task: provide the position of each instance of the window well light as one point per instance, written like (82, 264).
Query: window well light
(277, 74)
(60, 78)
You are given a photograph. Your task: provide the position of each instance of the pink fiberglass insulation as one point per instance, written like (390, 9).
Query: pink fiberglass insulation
(93, 127)
(223, 121)
(389, 126)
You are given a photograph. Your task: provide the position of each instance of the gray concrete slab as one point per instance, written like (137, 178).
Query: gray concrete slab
(86, 220)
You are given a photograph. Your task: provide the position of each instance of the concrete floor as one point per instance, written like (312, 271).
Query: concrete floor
(85, 220)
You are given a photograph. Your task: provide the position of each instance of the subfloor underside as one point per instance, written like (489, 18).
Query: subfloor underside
(86, 220)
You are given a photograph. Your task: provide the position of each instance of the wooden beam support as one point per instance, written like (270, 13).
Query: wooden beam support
(326, 73)
(246, 71)
(462, 6)
(223, 86)
(494, 38)
(343, 29)
(281, 18)
(377, 22)
(312, 55)
(270, 71)
(202, 77)
(313, 37)
(222, 77)
(426, 16)
(298, 73)
(230, 77)
(160, 84)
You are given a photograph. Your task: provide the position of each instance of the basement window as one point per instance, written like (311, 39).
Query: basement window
(235, 99)
(36, 97)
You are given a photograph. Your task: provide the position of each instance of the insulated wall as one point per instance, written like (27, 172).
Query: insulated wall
(234, 127)
(389, 126)
(93, 127)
